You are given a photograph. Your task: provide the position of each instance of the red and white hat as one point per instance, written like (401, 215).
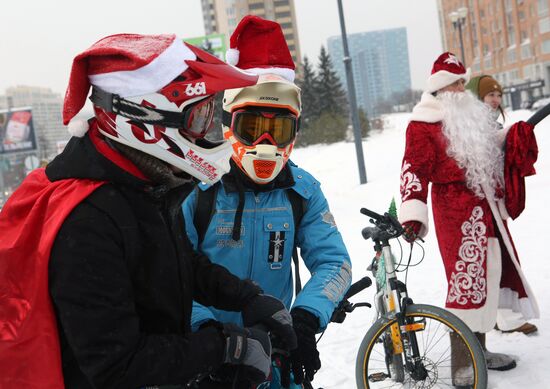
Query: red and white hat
(126, 65)
(446, 70)
(258, 46)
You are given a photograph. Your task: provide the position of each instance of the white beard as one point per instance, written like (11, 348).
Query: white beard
(474, 141)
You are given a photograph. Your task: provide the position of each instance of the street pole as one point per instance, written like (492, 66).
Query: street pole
(459, 22)
(352, 101)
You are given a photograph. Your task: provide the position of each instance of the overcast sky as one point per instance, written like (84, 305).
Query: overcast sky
(39, 38)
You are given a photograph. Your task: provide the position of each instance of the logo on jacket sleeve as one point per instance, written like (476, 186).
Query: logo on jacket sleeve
(328, 218)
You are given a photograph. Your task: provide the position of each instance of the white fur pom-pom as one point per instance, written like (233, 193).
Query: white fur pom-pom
(78, 128)
(232, 57)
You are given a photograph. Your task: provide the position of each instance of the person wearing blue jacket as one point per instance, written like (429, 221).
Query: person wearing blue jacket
(251, 227)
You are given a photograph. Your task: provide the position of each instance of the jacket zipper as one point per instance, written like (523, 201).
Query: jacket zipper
(252, 257)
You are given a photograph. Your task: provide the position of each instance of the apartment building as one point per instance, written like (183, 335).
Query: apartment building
(222, 16)
(380, 65)
(508, 39)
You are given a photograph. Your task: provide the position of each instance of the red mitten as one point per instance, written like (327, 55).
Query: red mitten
(412, 230)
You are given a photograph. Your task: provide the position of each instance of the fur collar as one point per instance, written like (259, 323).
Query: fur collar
(428, 110)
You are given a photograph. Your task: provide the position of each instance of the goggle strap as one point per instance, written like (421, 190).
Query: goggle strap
(227, 118)
(110, 102)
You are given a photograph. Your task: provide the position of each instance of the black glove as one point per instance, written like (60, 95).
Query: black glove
(249, 348)
(304, 360)
(271, 312)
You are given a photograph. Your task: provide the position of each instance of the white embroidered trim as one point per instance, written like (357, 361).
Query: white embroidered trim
(468, 283)
(409, 182)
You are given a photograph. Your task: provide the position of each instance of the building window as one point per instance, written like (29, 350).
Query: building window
(546, 46)
(511, 55)
(286, 25)
(544, 25)
(279, 15)
(542, 7)
(526, 50)
(289, 36)
(511, 36)
(279, 3)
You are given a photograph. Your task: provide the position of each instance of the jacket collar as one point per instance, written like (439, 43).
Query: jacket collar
(283, 180)
(428, 110)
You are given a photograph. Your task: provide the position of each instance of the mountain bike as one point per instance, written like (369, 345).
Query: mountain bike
(409, 345)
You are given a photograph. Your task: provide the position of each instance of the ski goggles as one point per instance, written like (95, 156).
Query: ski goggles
(198, 117)
(194, 120)
(252, 126)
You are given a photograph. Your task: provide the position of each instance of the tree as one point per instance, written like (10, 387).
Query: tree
(363, 123)
(307, 83)
(332, 97)
(326, 128)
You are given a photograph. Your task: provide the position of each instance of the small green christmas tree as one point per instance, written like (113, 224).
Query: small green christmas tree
(393, 209)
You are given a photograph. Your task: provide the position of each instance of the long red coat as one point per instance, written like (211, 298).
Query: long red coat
(481, 262)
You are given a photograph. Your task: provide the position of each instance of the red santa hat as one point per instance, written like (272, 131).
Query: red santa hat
(126, 65)
(446, 70)
(258, 46)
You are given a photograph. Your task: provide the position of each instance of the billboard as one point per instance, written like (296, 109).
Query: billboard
(213, 43)
(16, 131)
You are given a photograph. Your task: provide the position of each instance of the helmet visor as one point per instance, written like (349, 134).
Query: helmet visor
(252, 126)
(199, 118)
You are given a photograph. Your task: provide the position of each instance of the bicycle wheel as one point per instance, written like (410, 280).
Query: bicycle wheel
(450, 354)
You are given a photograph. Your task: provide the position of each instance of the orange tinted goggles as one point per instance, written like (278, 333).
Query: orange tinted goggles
(277, 126)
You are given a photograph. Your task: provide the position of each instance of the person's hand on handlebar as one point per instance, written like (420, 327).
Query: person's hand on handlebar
(412, 230)
(304, 361)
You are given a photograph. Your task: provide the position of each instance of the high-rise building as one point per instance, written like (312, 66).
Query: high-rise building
(222, 16)
(380, 65)
(508, 39)
(46, 108)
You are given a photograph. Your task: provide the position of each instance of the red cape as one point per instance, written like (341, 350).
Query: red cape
(29, 222)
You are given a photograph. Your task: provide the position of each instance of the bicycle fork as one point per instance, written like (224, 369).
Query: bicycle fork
(403, 333)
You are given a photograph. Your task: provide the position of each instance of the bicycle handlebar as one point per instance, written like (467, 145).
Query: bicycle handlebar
(357, 287)
(372, 214)
(539, 115)
(386, 223)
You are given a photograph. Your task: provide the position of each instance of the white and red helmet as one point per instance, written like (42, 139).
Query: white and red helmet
(262, 121)
(155, 93)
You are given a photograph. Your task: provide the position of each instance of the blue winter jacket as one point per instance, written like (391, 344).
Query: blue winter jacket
(264, 252)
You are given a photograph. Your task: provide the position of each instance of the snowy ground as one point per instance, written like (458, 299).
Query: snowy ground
(336, 167)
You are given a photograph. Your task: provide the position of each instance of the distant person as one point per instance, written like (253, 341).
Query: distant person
(488, 90)
(453, 143)
(266, 207)
(97, 278)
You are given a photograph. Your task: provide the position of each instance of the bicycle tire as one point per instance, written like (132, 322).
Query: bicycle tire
(442, 318)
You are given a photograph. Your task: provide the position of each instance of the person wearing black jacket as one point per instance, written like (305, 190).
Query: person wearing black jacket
(121, 273)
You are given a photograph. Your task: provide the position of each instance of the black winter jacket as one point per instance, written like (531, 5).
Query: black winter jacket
(122, 277)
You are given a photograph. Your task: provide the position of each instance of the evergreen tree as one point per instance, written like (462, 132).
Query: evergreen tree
(363, 123)
(326, 128)
(307, 84)
(393, 208)
(331, 95)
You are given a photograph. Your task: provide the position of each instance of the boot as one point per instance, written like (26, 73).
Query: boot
(461, 363)
(495, 361)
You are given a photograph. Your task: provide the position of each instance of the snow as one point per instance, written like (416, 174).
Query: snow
(335, 166)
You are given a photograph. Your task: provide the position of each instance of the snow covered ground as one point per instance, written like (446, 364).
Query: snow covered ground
(336, 167)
